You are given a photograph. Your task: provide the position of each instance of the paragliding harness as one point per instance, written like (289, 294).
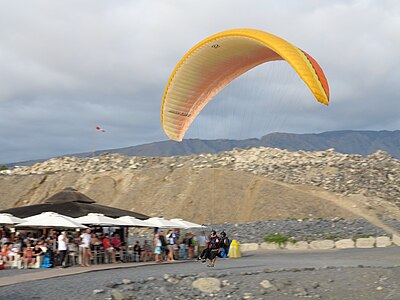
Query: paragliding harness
(213, 245)
(212, 249)
(224, 246)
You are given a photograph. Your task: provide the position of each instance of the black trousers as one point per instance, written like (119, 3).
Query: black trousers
(205, 253)
(209, 253)
(63, 254)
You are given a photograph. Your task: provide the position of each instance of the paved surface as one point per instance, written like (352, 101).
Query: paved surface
(14, 276)
(79, 284)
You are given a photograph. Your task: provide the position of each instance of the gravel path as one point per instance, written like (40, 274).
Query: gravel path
(336, 274)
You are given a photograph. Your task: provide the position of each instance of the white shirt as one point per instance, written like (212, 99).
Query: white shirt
(62, 245)
(86, 237)
(170, 237)
(202, 241)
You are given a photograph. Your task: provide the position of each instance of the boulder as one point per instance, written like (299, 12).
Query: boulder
(383, 241)
(118, 295)
(344, 244)
(396, 240)
(247, 247)
(365, 242)
(126, 281)
(301, 245)
(322, 244)
(270, 246)
(266, 284)
(207, 285)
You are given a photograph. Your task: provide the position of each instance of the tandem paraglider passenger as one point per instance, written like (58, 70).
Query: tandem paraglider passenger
(224, 245)
(212, 250)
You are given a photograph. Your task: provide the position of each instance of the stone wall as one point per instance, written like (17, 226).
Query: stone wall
(371, 242)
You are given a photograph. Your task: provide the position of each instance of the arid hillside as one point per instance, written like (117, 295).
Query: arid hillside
(236, 186)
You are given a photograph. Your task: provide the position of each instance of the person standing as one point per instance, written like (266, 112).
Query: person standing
(146, 253)
(62, 247)
(170, 238)
(85, 245)
(184, 246)
(116, 243)
(157, 248)
(109, 248)
(137, 252)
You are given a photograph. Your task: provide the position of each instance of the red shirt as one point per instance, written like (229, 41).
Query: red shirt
(116, 242)
(106, 243)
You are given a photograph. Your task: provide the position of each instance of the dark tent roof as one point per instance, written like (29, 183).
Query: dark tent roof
(70, 202)
(69, 194)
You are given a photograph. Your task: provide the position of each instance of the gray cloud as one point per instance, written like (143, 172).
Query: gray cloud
(67, 66)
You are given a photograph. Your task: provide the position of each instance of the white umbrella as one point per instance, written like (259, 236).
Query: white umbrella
(132, 221)
(161, 223)
(100, 220)
(186, 224)
(51, 220)
(9, 219)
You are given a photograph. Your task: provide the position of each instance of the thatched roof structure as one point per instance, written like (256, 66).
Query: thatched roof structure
(70, 202)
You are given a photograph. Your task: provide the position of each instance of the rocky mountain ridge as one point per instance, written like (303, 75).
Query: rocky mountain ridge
(346, 141)
(375, 175)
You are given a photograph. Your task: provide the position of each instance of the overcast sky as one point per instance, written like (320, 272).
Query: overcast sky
(68, 66)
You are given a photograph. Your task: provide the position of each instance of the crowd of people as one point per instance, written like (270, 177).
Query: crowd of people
(172, 246)
(62, 248)
(28, 249)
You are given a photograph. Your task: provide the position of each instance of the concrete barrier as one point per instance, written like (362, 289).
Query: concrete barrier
(270, 246)
(322, 244)
(371, 242)
(301, 245)
(246, 247)
(383, 241)
(396, 239)
(344, 244)
(365, 242)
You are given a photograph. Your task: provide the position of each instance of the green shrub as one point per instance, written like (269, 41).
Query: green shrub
(276, 238)
(3, 167)
(332, 237)
(363, 235)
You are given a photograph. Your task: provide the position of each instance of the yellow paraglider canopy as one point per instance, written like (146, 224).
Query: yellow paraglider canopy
(214, 62)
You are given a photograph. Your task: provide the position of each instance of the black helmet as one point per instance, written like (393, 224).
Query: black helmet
(223, 233)
(213, 232)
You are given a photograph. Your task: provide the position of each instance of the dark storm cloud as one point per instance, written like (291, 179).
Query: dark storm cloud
(67, 66)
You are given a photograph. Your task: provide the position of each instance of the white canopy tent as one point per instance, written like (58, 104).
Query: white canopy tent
(132, 221)
(51, 220)
(9, 219)
(161, 223)
(101, 220)
(186, 224)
